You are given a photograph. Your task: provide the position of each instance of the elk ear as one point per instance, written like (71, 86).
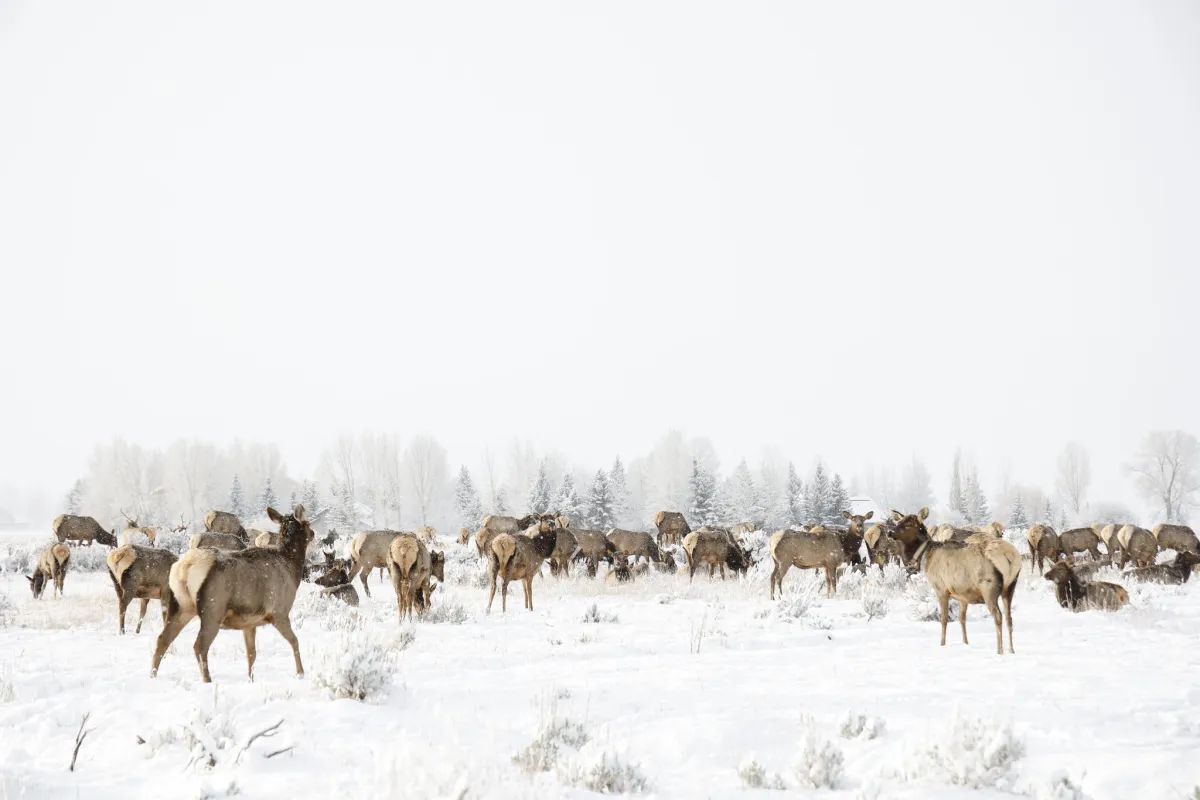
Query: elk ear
(923, 514)
(846, 514)
(274, 515)
(299, 513)
(896, 515)
(29, 578)
(869, 515)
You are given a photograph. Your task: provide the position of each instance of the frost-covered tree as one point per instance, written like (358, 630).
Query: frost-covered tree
(466, 500)
(568, 503)
(958, 498)
(1047, 517)
(1074, 476)
(1017, 516)
(237, 499)
(618, 481)
(839, 500)
(74, 502)
(427, 471)
(266, 497)
(818, 496)
(500, 501)
(703, 508)
(744, 495)
(1166, 471)
(975, 501)
(311, 499)
(600, 503)
(793, 495)
(915, 490)
(539, 492)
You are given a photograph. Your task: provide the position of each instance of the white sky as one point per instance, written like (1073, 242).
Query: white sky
(855, 230)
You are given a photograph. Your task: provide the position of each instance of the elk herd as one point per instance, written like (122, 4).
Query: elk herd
(236, 578)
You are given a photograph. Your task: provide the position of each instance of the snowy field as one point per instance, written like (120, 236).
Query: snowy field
(659, 687)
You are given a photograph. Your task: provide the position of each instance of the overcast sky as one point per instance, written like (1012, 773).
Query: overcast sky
(855, 230)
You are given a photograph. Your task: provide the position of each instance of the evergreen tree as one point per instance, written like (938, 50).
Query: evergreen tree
(600, 503)
(702, 492)
(539, 492)
(1048, 514)
(618, 481)
(840, 501)
(1062, 517)
(794, 497)
(311, 499)
(818, 496)
(293, 499)
(957, 496)
(466, 500)
(1017, 518)
(266, 497)
(237, 499)
(500, 501)
(75, 498)
(745, 505)
(975, 502)
(568, 503)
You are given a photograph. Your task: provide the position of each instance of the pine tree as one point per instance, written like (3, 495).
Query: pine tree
(1017, 518)
(975, 502)
(237, 499)
(311, 499)
(466, 500)
(1047, 514)
(744, 495)
(794, 497)
(292, 499)
(266, 497)
(618, 480)
(1062, 517)
(539, 492)
(840, 500)
(702, 492)
(500, 501)
(568, 503)
(957, 497)
(600, 503)
(818, 496)
(75, 498)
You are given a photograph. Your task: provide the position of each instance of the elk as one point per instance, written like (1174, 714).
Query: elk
(1138, 544)
(494, 525)
(1078, 540)
(980, 571)
(592, 547)
(1179, 538)
(517, 558)
(412, 565)
(225, 522)
(52, 565)
(464, 535)
(852, 537)
(1043, 544)
(742, 528)
(807, 550)
(239, 590)
(1177, 572)
(1077, 594)
(635, 545)
(565, 548)
(70, 528)
(370, 550)
(182, 526)
(265, 538)
(336, 583)
(143, 573)
(132, 527)
(881, 547)
(427, 534)
(672, 527)
(716, 549)
(1108, 535)
(216, 541)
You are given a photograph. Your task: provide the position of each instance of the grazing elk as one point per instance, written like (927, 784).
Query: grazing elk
(143, 573)
(70, 528)
(132, 527)
(518, 558)
(335, 583)
(371, 550)
(494, 525)
(1108, 535)
(411, 566)
(1179, 538)
(980, 571)
(814, 549)
(881, 547)
(672, 527)
(216, 541)
(1043, 544)
(717, 549)
(592, 547)
(51, 566)
(740, 530)
(635, 545)
(1078, 540)
(565, 548)
(1177, 572)
(1137, 544)
(225, 522)
(239, 590)
(1077, 594)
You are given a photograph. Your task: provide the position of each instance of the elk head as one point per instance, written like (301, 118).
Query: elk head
(858, 522)
(911, 534)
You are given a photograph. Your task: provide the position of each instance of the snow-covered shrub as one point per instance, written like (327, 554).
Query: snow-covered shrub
(452, 613)
(88, 558)
(608, 775)
(875, 605)
(1060, 787)
(327, 613)
(922, 601)
(968, 752)
(854, 725)
(359, 665)
(542, 753)
(175, 542)
(894, 577)
(7, 692)
(819, 762)
(593, 615)
(797, 602)
(754, 776)
(8, 610)
(18, 558)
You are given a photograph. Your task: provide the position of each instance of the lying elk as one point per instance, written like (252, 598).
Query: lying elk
(980, 571)
(1177, 572)
(716, 549)
(672, 528)
(143, 573)
(371, 550)
(1076, 594)
(1043, 544)
(70, 528)
(517, 558)
(336, 583)
(52, 565)
(807, 550)
(1179, 538)
(1137, 544)
(225, 522)
(239, 590)
(412, 565)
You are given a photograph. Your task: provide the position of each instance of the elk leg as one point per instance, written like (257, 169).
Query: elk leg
(504, 596)
(210, 626)
(492, 593)
(722, 572)
(171, 629)
(529, 593)
(994, 607)
(962, 617)
(145, 601)
(122, 604)
(399, 587)
(365, 574)
(944, 604)
(1008, 598)
(251, 652)
(284, 626)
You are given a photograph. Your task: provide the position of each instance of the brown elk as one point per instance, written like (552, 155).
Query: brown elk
(51, 566)
(239, 590)
(464, 535)
(335, 583)
(979, 571)
(635, 545)
(216, 541)
(716, 549)
(592, 547)
(225, 522)
(881, 547)
(565, 548)
(818, 549)
(371, 550)
(1179, 538)
(672, 527)
(1043, 544)
(517, 558)
(70, 528)
(495, 524)
(1177, 572)
(132, 527)
(1138, 544)
(1077, 594)
(143, 573)
(1078, 540)
(412, 565)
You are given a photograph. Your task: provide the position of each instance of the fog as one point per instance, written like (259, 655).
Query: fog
(854, 233)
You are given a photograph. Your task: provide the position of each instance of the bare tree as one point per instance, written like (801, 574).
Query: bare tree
(190, 470)
(1166, 470)
(378, 475)
(427, 472)
(915, 490)
(1074, 476)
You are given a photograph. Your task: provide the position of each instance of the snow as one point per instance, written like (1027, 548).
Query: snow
(680, 686)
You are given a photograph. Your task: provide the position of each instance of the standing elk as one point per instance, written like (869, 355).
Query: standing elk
(1043, 544)
(495, 524)
(634, 545)
(132, 527)
(225, 522)
(239, 590)
(1078, 540)
(980, 571)
(592, 547)
(143, 573)
(716, 549)
(411, 566)
(370, 550)
(1179, 538)
(817, 549)
(1108, 535)
(881, 547)
(672, 527)
(1137, 544)
(51, 566)
(70, 528)
(565, 547)
(216, 541)
(517, 558)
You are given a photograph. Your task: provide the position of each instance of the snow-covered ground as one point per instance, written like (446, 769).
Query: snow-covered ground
(671, 687)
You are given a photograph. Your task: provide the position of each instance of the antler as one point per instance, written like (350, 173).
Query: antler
(127, 519)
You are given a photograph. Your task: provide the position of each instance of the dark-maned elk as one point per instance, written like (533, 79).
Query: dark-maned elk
(517, 558)
(225, 522)
(852, 537)
(371, 550)
(634, 545)
(1043, 544)
(592, 547)
(1076, 594)
(565, 548)
(1078, 540)
(806, 550)
(216, 541)
(69, 528)
(239, 590)
(1137, 544)
(142, 573)
(51, 566)
(672, 527)
(1177, 572)
(716, 549)
(979, 571)
(1179, 538)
